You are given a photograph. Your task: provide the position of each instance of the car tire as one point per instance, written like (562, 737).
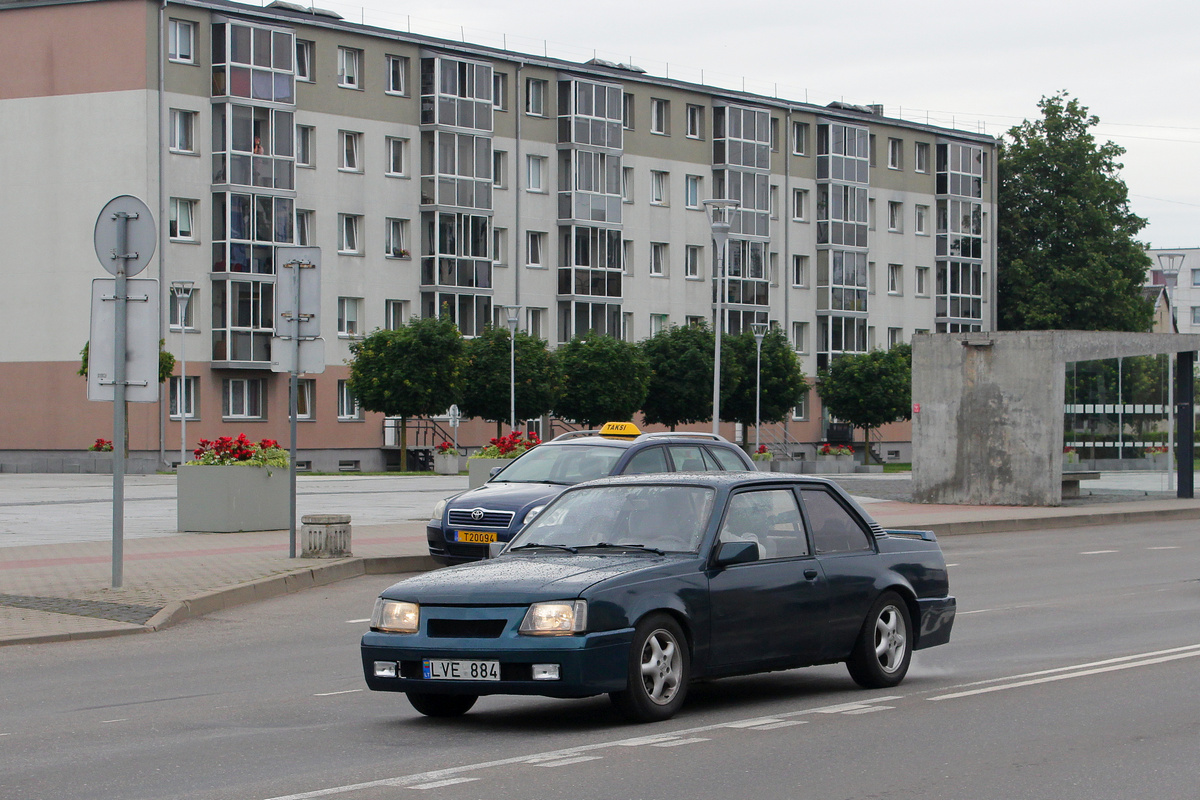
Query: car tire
(659, 669)
(442, 705)
(884, 648)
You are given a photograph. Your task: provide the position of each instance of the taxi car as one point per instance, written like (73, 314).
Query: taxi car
(462, 527)
(636, 585)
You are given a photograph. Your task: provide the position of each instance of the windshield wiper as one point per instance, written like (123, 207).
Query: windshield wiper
(539, 544)
(629, 546)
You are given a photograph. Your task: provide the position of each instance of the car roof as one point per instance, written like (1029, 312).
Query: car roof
(677, 437)
(719, 480)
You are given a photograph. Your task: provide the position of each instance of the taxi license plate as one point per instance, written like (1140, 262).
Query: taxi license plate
(477, 537)
(459, 670)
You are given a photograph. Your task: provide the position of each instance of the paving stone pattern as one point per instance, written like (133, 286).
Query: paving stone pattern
(117, 612)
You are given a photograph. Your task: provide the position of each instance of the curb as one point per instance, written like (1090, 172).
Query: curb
(283, 583)
(1085, 519)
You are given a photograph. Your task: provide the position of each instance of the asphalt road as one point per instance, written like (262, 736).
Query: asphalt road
(1073, 672)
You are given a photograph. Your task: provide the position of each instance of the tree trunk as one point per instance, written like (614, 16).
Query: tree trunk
(867, 446)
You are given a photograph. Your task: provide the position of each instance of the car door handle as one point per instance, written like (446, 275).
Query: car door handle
(811, 574)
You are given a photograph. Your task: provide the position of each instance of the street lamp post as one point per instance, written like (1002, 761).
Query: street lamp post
(512, 314)
(720, 216)
(1169, 264)
(760, 330)
(182, 291)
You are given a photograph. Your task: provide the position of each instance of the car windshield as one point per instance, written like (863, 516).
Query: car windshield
(564, 464)
(665, 518)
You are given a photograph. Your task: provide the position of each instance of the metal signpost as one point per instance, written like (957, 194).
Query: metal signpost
(455, 418)
(302, 350)
(125, 238)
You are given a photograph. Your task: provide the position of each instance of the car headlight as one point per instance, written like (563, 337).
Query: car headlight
(531, 514)
(395, 616)
(557, 618)
(439, 508)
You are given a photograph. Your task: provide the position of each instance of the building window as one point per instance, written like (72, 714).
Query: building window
(658, 259)
(183, 131)
(304, 229)
(183, 403)
(535, 97)
(181, 41)
(800, 411)
(800, 337)
(658, 323)
(895, 337)
(349, 72)
(773, 202)
(348, 227)
(397, 157)
(691, 262)
(1196, 315)
(535, 180)
(895, 279)
(500, 91)
(800, 205)
(627, 111)
(695, 121)
(348, 308)
(691, 191)
(658, 187)
(774, 125)
(397, 75)
(243, 398)
(182, 212)
(306, 390)
(351, 145)
(895, 217)
(660, 116)
(304, 61)
(305, 145)
(395, 314)
(627, 183)
(500, 247)
(895, 153)
(800, 271)
(348, 407)
(800, 138)
(923, 281)
(396, 243)
(1196, 277)
(500, 169)
(921, 221)
(921, 156)
(535, 243)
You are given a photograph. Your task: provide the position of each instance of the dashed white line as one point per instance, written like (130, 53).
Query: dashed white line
(787, 723)
(357, 621)
(331, 694)
(1165, 547)
(440, 784)
(1097, 552)
(677, 742)
(562, 762)
(106, 721)
(750, 723)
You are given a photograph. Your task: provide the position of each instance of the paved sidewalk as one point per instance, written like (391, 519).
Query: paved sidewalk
(61, 590)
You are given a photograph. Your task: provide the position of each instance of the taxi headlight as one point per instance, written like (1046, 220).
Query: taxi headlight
(439, 508)
(558, 618)
(531, 514)
(395, 616)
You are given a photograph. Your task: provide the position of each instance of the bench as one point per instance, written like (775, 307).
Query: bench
(1070, 481)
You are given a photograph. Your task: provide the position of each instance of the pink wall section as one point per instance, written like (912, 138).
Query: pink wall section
(74, 49)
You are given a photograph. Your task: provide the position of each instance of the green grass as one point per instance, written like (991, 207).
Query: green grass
(897, 466)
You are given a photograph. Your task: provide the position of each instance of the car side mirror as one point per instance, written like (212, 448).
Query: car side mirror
(493, 471)
(730, 553)
(495, 548)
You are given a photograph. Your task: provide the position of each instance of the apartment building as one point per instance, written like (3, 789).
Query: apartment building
(437, 177)
(1178, 271)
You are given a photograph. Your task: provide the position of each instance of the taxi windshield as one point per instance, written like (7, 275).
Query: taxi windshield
(562, 464)
(644, 517)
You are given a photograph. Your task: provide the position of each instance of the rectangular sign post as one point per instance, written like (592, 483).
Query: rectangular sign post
(298, 302)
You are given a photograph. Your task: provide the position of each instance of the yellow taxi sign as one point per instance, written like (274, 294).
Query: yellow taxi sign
(620, 430)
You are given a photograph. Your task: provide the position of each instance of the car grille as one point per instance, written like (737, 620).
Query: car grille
(490, 519)
(466, 628)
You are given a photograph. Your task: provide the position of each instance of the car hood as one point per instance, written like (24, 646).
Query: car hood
(519, 579)
(506, 496)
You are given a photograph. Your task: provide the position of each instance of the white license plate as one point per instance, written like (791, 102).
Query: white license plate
(460, 670)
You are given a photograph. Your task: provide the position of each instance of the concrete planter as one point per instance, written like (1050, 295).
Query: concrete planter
(445, 464)
(480, 469)
(226, 499)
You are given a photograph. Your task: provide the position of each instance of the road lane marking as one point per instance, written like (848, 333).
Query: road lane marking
(571, 752)
(331, 694)
(1077, 671)
(750, 723)
(106, 721)
(1001, 608)
(645, 740)
(562, 762)
(440, 784)
(1097, 552)
(357, 621)
(870, 710)
(1165, 547)
(786, 723)
(952, 565)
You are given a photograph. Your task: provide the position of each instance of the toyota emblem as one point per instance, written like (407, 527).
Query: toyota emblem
(477, 514)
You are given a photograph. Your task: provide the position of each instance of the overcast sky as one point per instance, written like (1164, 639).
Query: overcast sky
(974, 65)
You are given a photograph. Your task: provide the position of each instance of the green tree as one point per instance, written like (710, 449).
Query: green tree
(1068, 259)
(783, 382)
(414, 371)
(868, 390)
(603, 379)
(681, 370)
(485, 392)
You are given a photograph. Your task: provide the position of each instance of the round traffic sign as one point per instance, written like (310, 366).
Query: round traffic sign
(141, 237)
